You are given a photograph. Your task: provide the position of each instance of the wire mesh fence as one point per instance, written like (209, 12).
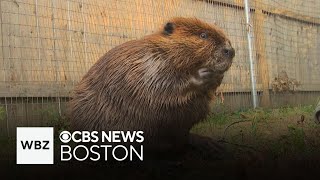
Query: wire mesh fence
(48, 45)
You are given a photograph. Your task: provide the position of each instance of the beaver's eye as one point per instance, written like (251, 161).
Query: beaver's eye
(203, 36)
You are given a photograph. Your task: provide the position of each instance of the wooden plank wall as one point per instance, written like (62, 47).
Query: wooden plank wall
(50, 44)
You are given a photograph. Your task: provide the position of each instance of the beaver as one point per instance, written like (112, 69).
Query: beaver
(160, 84)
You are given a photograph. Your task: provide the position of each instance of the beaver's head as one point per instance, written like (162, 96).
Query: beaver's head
(194, 44)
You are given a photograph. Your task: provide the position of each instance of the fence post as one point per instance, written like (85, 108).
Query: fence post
(249, 37)
(260, 45)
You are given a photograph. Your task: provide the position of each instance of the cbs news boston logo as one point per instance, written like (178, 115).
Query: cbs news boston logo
(35, 145)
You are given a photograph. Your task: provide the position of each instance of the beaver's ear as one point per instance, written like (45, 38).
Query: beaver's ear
(168, 28)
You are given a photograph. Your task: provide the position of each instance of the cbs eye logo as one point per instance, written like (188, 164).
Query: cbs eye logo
(65, 136)
(78, 136)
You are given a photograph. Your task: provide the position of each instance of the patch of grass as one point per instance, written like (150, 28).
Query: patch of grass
(2, 113)
(291, 144)
(280, 132)
(284, 112)
(8, 149)
(254, 127)
(220, 119)
(297, 137)
(57, 120)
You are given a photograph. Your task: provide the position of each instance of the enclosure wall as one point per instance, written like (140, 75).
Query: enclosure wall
(48, 45)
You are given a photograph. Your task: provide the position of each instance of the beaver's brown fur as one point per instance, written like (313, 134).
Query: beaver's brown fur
(160, 84)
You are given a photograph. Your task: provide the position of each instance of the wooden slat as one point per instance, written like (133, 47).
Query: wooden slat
(263, 69)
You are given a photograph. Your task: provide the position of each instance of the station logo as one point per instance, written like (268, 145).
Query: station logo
(35, 145)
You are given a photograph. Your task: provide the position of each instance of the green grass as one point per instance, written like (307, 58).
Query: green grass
(279, 133)
(57, 120)
(2, 113)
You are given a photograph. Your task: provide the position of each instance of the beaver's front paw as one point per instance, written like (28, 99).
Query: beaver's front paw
(203, 76)
(205, 73)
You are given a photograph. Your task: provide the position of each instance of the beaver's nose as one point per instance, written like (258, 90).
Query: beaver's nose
(229, 52)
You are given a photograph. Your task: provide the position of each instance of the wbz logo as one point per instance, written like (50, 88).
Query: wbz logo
(34, 145)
